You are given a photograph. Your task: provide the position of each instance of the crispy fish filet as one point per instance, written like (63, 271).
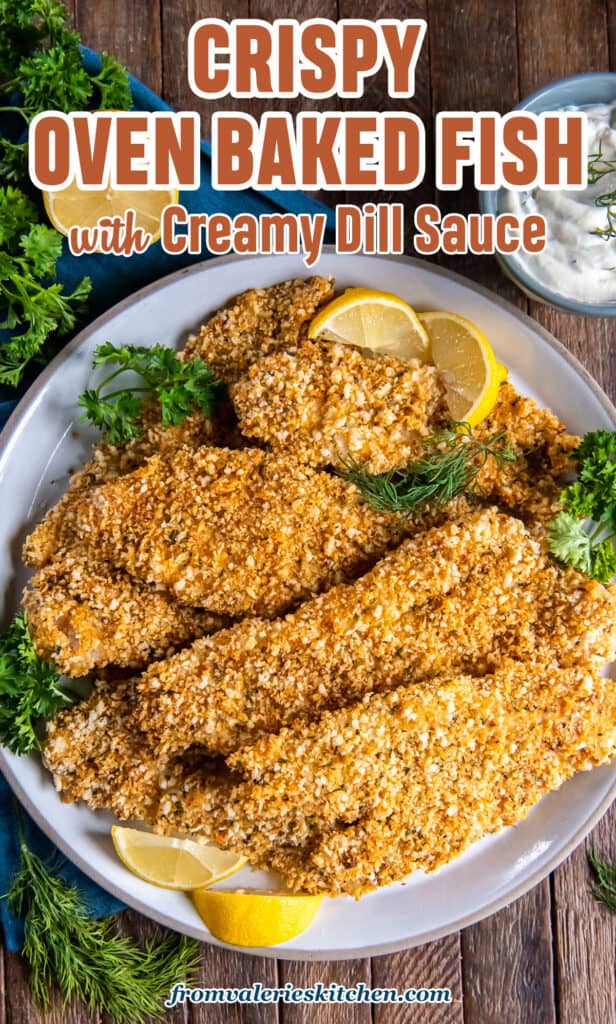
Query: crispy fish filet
(456, 598)
(531, 485)
(107, 463)
(236, 532)
(327, 404)
(256, 323)
(86, 617)
(460, 598)
(404, 780)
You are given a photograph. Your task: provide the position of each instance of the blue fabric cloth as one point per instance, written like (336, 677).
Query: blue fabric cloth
(114, 277)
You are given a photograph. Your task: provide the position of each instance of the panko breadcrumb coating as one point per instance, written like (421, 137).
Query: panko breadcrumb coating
(403, 780)
(107, 463)
(461, 598)
(531, 485)
(454, 599)
(328, 404)
(83, 618)
(256, 323)
(236, 532)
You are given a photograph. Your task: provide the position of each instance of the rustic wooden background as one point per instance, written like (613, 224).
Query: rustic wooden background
(551, 955)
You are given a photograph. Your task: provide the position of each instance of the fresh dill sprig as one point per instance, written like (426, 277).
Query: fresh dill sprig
(86, 958)
(30, 689)
(181, 388)
(450, 462)
(598, 167)
(605, 873)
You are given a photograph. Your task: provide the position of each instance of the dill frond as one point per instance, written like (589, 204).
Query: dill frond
(449, 464)
(86, 958)
(605, 873)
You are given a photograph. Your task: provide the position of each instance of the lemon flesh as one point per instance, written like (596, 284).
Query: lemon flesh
(375, 320)
(173, 863)
(255, 917)
(464, 357)
(74, 207)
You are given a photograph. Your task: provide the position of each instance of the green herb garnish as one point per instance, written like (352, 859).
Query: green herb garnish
(181, 388)
(29, 689)
(605, 873)
(582, 534)
(450, 462)
(87, 959)
(41, 64)
(598, 167)
(32, 303)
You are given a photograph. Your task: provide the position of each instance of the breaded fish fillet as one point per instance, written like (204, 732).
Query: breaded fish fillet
(86, 617)
(236, 532)
(256, 323)
(330, 403)
(460, 598)
(109, 462)
(530, 485)
(404, 780)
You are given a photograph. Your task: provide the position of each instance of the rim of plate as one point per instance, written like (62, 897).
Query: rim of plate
(279, 952)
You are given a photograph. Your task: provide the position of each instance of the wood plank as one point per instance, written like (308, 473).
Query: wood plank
(343, 972)
(376, 98)
(20, 1007)
(556, 40)
(585, 935)
(131, 32)
(436, 964)
(177, 18)
(487, 81)
(225, 968)
(508, 971)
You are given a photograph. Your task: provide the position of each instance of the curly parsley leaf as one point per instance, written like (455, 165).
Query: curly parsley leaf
(29, 689)
(581, 536)
(181, 388)
(32, 304)
(13, 160)
(112, 84)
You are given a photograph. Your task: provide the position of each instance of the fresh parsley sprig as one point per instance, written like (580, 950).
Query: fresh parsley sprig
(181, 388)
(30, 689)
(450, 462)
(41, 63)
(582, 534)
(605, 874)
(33, 305)
(86, 958)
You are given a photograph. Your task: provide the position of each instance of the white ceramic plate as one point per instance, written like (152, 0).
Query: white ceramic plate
(44, 439)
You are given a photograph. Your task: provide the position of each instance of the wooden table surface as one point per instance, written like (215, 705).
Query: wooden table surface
(550, 956)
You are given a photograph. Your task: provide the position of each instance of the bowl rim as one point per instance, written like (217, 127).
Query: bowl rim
(488, 203)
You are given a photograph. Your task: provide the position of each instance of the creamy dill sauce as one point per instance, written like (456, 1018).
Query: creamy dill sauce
(576, 262)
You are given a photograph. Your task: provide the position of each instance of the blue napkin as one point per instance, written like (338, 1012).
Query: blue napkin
(114, 277)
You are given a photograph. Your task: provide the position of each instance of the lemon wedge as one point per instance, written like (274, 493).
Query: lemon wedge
(467, 363)
(74, 207)
(255, 917)
(173, 863)
(370, 319)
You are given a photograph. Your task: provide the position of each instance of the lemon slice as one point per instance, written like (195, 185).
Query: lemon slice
(74, 207)
(173, 863)
(255, 917)
(467, 363)
(379, 321)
